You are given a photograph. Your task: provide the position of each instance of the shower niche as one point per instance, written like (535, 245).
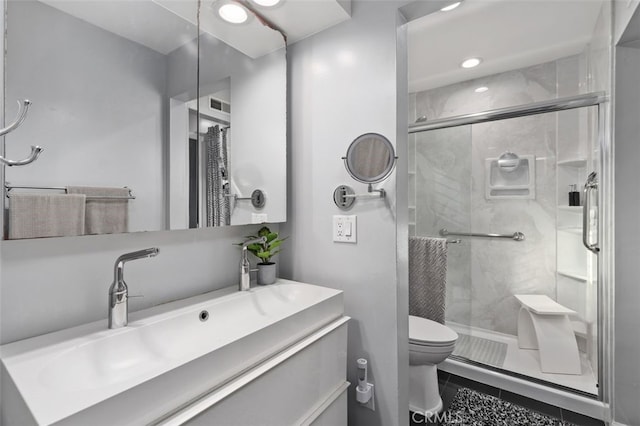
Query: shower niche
(510, 177)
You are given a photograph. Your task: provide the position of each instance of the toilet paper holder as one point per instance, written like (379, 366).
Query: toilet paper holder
(364, 390)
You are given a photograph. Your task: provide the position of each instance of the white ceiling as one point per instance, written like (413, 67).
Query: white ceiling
(631, 35)
(507, 34)
(164, 25)
(144, 22)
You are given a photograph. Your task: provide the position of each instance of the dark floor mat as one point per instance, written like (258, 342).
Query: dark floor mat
(472, 408)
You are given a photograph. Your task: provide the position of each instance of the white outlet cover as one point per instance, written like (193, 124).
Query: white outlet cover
(344, 228)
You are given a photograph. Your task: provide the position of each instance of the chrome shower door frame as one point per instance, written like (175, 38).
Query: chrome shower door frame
(605, 257)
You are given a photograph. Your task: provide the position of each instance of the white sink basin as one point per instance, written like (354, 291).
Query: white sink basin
(167, 353)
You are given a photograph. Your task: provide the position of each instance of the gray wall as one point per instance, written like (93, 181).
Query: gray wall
(627, 236)
(54, 283)
(2, 168)
(342, 83)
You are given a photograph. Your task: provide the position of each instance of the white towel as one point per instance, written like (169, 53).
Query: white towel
(104, 216)
(46, 215)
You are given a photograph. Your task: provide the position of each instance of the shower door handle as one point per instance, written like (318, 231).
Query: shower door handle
(590, 186)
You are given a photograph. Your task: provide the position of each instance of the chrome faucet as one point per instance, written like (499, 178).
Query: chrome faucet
(245, 267)
(119, 292)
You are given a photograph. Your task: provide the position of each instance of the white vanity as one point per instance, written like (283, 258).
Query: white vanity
(272, 355)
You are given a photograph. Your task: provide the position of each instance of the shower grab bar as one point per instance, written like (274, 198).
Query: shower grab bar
(590, 185)
(516, 236)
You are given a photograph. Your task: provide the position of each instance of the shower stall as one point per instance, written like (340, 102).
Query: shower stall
(511, 163)
(508, 190)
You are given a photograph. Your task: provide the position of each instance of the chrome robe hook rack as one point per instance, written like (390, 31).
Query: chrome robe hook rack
(23, 108)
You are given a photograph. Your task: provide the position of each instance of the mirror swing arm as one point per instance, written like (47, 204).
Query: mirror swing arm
(258, 198)
(363, 155)
(344, 196)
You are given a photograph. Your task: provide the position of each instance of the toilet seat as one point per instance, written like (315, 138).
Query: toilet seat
(424, 332)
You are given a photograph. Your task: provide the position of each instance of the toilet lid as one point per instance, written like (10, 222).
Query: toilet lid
(424, 331)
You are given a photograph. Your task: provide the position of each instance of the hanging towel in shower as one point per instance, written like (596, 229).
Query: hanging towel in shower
(427, 277)
(46, 215)
(106, 215)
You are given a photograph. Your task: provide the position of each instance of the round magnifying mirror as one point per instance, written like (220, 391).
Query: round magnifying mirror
(370, 158)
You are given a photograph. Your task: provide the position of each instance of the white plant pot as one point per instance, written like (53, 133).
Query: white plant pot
(266, 273)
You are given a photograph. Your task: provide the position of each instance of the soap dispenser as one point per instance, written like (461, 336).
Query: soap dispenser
(574, 195)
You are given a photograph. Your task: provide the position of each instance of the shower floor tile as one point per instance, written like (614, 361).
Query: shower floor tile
(527, 362)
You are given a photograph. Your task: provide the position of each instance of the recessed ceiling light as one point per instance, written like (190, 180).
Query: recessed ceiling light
(233, 13)
(481, 89)
(266, 3)
(450, 7)
(471, 62)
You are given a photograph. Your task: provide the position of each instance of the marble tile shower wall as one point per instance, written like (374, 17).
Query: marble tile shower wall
(449, 188)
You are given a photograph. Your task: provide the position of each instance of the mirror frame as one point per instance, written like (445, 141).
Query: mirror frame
(349, 160)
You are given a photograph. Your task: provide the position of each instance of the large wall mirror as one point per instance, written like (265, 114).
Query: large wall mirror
(148, 122)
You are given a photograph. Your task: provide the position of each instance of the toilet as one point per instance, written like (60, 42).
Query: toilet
(430, 343)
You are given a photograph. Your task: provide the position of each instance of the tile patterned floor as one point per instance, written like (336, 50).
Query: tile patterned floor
(449, 385)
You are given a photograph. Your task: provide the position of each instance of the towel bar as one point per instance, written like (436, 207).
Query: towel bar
(9, 187)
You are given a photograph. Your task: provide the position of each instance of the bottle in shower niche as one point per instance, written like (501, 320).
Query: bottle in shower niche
(574, 195)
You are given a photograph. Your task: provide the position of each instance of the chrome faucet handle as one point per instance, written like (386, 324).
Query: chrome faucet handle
(246, 244)
(140, 254)
(119, 292)
(245, 267)
(260, 240)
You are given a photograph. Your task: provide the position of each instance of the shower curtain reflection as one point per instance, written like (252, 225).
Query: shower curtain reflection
(217, 178)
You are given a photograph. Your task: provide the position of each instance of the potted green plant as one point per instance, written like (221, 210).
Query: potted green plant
(265, 252)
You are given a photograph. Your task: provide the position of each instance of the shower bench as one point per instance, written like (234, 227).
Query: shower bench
(544, 324)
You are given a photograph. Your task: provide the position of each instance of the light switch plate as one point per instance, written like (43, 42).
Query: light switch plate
(344, 229)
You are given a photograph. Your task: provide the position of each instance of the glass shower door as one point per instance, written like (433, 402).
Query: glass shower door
(441, 194)
(459, 185)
